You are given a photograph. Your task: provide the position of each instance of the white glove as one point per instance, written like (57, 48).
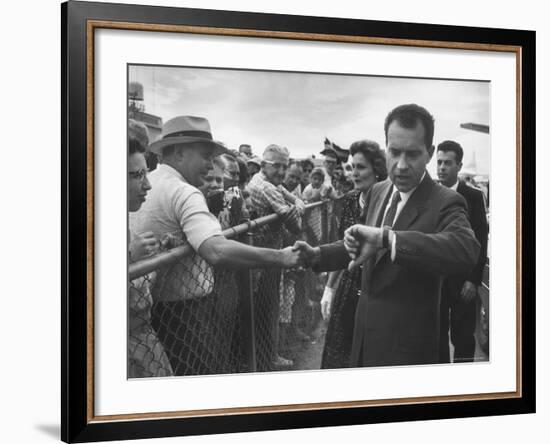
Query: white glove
(326, 302)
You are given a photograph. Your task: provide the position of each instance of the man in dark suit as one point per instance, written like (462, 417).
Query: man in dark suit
(416, 232)
(459, 293)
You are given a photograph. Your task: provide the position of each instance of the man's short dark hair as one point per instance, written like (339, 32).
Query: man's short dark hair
(408, 117)
(243, 145)
(452, 146)
(373, 154)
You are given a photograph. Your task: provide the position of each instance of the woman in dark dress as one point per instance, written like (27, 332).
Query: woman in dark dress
(341, 292)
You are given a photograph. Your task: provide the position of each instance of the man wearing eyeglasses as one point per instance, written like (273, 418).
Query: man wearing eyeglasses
(268, 196)
(146, 355)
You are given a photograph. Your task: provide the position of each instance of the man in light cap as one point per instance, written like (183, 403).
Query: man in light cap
(268, 196)
(177, 210)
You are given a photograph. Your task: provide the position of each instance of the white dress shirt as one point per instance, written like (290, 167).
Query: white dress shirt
(404, 198)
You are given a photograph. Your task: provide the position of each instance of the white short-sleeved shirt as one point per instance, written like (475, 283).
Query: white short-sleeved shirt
(175, 207)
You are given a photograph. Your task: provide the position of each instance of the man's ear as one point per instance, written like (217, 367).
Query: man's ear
(180, 153)
(459, 165)
(431, 151)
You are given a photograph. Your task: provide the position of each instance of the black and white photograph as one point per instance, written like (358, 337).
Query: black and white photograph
(277, 221)
(305, 221)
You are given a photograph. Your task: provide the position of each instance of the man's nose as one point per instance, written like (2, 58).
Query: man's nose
(146, 183)
(402, 163)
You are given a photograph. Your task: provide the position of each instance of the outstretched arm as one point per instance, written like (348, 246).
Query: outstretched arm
(328, 257)
(452, 249)
(218, 250)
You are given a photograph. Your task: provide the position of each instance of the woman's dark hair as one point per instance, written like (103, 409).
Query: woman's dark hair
(243, 170)
(372, 152)
(138, 137)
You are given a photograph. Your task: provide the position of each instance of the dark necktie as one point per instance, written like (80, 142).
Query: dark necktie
(390, 215)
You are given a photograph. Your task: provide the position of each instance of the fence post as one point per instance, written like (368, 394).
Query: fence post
(246, 303)
(324, 224)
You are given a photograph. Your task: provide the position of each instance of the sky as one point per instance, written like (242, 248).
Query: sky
(298, 110)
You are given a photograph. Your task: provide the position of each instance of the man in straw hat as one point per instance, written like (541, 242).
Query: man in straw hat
(176, 209)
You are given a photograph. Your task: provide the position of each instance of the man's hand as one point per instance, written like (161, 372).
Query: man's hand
(469, 291)
(309, 255)
(300, 206)
(144, 245)
(169, 241)
(291, 258)
(361, 243)
(293, 213)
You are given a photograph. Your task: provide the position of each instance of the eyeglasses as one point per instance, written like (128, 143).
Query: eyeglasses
(277, 165)
(139, 174)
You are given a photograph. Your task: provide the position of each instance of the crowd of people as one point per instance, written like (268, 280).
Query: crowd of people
(405, 271)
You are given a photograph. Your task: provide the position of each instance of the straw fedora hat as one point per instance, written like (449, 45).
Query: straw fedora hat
(187, 129)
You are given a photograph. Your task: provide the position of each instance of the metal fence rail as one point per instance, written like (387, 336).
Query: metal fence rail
(189, 318)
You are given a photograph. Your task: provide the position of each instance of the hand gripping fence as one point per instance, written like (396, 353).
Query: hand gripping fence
(186, 317)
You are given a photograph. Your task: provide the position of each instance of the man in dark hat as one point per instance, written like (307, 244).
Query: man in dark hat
(176, 210)
(329, 163)
(334, 156)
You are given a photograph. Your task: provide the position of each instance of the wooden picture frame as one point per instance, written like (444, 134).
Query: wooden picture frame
(80, 20)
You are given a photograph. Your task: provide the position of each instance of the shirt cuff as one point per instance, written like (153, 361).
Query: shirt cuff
(393, 249)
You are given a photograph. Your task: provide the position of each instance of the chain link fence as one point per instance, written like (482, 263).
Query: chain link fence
(186, 317)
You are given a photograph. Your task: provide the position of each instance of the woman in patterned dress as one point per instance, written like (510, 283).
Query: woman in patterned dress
(341, 292)
(146, 355)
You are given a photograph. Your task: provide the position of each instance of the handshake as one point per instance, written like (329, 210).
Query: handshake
(360, 241)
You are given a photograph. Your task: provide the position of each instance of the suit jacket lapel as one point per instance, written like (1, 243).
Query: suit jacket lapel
(414, 206)
(380, 205)
(417, 203)
(375, 214)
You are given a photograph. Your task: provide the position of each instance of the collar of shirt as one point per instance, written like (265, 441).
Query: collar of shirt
(261, 176)
(170, 171)
(455, 186)
(361, 201)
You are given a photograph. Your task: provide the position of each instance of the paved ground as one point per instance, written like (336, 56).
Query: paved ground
(307, 355)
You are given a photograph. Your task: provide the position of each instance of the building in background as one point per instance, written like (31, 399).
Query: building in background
(136, 111)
